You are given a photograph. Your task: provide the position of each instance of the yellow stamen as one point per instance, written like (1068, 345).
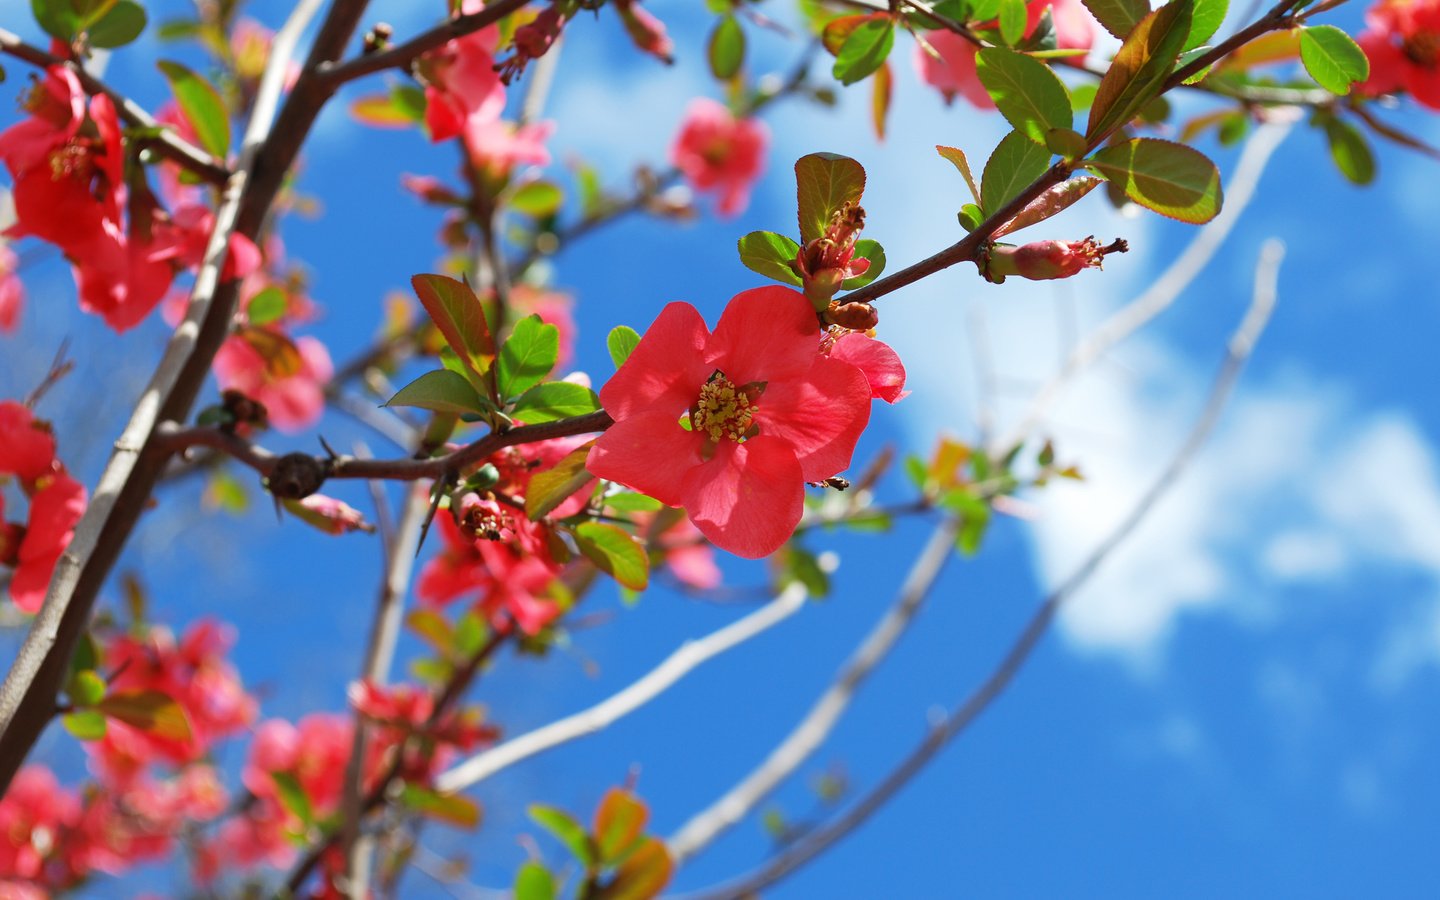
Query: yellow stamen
(723, 410)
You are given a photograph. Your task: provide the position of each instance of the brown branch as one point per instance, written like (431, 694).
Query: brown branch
(167, 143)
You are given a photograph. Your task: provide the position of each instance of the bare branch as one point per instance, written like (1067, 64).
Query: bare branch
(696, 834)
(961, 717)
(600, 716)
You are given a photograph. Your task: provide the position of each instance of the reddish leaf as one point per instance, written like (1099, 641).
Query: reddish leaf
(153, 712)
(619, 822)
(643, 875)
(883, 87)
(457, 312)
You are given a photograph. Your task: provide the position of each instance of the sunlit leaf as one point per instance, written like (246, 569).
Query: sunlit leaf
(440, 391)
(770, 254)
(202, 107)
(1171, 179)
(550, 488)
(824, 183)
(615, 552)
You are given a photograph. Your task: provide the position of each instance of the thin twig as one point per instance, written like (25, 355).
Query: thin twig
(961, 717)
(811, 732)
(600, 716)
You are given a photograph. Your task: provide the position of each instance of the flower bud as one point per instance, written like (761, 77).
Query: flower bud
(1045, 260)
(826, 262)
(854, 316)
(645, 30)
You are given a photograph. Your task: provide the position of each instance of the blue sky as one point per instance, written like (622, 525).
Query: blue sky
(1242, 701)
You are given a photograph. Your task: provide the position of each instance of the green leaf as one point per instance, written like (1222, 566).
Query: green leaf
(1016, 162)
(1206, 19)
(642, 875)
(865, 50)
(554, 400)
(619, 822)
(381, 111)
(770, 254)
(629, 501)
(1138, 71)
(266, 307)
(1027, 93)
(801, 566)
(1334, 60)
(292, 796)
(440, 391)
(527, 356)
(153, 712)
(727, 47)
(1082, 96)
(1013, 18)
(470, 634)
(824, 183)
(1171, 179)
(85, 724)
(971, 216)
(615, 552)
(550, 488)
(534, 882)
(177, 29)
(121, 25)
(568, 831)
(1118, 17)
(537, 199)
(1065, 142)
(459, 315)
(621, 342)
(57, 17)
(872, 251)
(86, 688)
(201, 105)
(452, 809)
(432, 626)
(1350, 151)
(957, 158)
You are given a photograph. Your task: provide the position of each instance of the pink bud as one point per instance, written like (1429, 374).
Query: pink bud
(1045, 260)
(646, 31)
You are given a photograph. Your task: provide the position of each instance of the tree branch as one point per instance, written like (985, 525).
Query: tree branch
(598, 717)
(1241, 344)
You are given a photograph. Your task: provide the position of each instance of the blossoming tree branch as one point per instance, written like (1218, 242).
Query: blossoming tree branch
(728, 426)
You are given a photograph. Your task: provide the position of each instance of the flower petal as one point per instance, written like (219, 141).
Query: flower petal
(748, 498)
(880, 363)
(765, 334)
(665, 371)
(820, 415)
(649, 452)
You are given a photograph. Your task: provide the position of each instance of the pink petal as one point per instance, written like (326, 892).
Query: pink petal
(649, 452)
(665, 371)
(765, 334)
(881, 364)
(819, 416)
(748, 498)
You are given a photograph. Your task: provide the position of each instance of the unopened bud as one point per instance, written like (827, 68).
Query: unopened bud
(646, 31)
(854, 316)
(1045, 260)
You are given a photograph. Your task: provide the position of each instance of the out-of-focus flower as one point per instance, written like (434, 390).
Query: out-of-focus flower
(293, 400)
(718, 152)
(461, 86)
(1402, 42)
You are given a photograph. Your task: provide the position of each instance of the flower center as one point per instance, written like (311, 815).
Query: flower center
(724, 410)
(1423, 48)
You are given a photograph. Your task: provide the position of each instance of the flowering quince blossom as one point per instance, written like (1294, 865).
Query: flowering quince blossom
(507, 577)
(876, 359)
(461, 86)
(1403, 45)
(295, 401)
(953, 72)
(496, 146)
(645, 30)
(57, 501)
(768, 412)
(12, 292)
(718, 152)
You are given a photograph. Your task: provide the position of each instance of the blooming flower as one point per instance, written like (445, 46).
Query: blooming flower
(461, 86)
(12, 292)
(508, 577)
(881, 364)
(1403, 45)
(54, 510)
(767, 413)
(27, 446)
(718, 152)
(293, 400)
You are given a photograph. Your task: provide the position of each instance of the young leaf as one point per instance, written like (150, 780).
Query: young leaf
(621, 343)
(1016, 162)
(1139, 68)
(629, 501)
(266, 307)
(534, 882)
(554, 400)
(1027, 93)
(568, 831)
(1013, 18)
(825, 182)
(1118, 17)
(770, 254)
(864, 51)
(293, 797)
(440, 391)
(837, 30)
(1334, 60)
(452, 809)
(201, 105)
(619, 822)
(871, 250)
(85, 724)
(550, 488)
(527, 356)
(643, 874)
(615, 552)
(727, 47)
(1053, 201)
(1171, 179)
(883, 88)
(121, 25)
(85, 688)
(432, 627)
(537, 199)
(957, 157)
(381, 111)
(153, 712)
(457, 312)
(970, 216)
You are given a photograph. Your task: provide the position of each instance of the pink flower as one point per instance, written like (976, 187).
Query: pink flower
(507, 577)
(718, 152)
(27, 446)
(12, 292)
(328, 514)
(294, 401)
(497, 146)
(768, 412)
(461, 85)
(1403, 45)
(315, 751)
(54, 510)
(881, 365)
(34, 815)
